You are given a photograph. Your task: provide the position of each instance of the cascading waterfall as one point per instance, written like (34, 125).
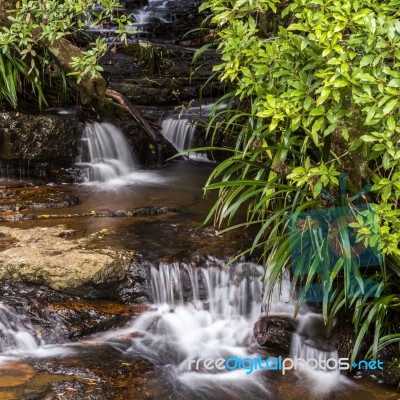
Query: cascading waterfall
(198, 314)
(180, 132)
(320, 369)
(154, 9)
(16, 332)
(154, 12)
(180, 129)
(201, 312)
(209, 313)
(109, 154)
(20, 337)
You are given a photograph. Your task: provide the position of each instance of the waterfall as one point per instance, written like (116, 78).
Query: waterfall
(320, 369)
(108, 152)
(200, 312)
(180, 129)
(180, 132)
(16, 332)
(153, 13)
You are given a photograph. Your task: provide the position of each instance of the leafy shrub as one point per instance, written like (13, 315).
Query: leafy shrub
(319, 97)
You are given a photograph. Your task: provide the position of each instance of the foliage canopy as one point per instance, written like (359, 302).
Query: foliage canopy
(29, 33)
(318, 96)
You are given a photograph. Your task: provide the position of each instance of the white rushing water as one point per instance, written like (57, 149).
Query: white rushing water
(17, 332)
(155, 9)
(180, 129)
(200, 313)
(107, 161)
(109, 153)
(209, 312)
(20, 338)
(180, 132)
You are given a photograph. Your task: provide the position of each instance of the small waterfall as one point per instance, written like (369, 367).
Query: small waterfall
(199, 313)
(108, 152)
(17, 332)
(320, 369)
(180, 129)
(153, 13)
(180, 132)
(310, 339)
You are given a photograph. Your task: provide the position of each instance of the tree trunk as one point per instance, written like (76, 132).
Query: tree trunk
(92, 88)
(154, 134)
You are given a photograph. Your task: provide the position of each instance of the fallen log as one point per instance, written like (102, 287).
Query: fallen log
(150, 130)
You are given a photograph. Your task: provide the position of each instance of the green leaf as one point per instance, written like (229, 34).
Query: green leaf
(389, 106)
(324, 95)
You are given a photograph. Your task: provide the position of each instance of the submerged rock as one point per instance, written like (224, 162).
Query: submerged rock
(45, 256)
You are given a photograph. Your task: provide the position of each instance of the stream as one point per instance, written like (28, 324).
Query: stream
(201, 309)
(196, 308)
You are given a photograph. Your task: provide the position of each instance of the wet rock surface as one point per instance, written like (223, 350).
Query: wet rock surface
(107, 213)
(45, 256)
(160, 74)
(104, 375)
(275, 332)
(44, 138)
(59, 317)
(34, 198)
(46, 146)
(40, 146)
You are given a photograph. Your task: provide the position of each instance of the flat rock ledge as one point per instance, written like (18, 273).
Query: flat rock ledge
(50, 257)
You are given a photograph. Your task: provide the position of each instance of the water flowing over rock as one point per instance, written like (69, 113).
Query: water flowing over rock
(183, 129)
(47, 145)
(180, 132)
(16, 331)
(163, 19)
(200, 312)
(109, 154)
(319, 364)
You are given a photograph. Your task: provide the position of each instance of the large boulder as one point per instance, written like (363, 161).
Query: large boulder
(46, 256)
(52, 138)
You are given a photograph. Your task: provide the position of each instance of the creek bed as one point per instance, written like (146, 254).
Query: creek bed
(114, 360)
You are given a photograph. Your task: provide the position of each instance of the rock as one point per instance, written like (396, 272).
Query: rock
(46, 146)
(55, 317)
(48, 138)
(15, 373)
(390, 356)
(41, 146)
(342, 336)
(35, 198)
(44, 256)
(275, 332)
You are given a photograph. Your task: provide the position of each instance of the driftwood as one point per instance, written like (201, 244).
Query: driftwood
(151, 131)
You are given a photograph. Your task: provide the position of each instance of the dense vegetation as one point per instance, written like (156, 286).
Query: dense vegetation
(315, 96)
(35, 50)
